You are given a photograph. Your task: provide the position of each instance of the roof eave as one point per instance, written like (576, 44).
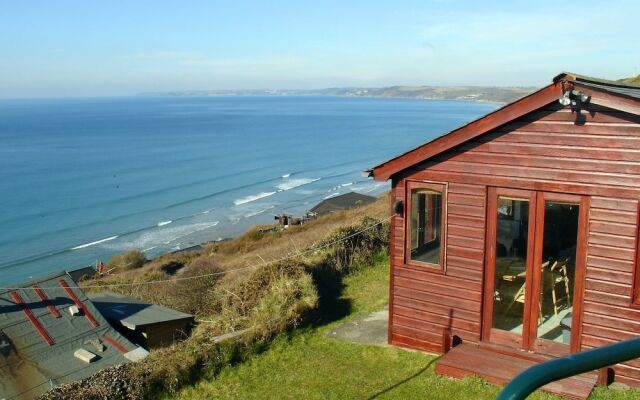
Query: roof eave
(577, 78)
(471, 130)
(614, 100)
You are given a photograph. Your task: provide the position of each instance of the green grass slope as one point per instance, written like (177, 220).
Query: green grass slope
(306, 364)
(285, 310)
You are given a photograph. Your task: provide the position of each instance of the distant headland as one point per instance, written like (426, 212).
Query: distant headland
(466, 93)
(491, 94)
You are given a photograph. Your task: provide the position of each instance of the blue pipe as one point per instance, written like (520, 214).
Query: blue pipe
(539, 375)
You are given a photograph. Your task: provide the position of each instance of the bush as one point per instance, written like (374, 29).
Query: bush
(251, 238)
(364, 240)
(195, 296)
(281, 291)
(260, 305)
(132, 259)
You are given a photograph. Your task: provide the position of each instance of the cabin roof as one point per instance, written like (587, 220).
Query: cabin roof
(614, 87)
(133, 313)
(616, 95)
(26, 321)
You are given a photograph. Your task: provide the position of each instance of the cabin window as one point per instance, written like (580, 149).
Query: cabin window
(635, 295)
(426, 224)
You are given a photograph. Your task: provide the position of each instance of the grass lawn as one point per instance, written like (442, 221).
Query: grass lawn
(308, 365)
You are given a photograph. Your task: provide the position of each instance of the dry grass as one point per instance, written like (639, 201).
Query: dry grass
(256, 249)
(260, 304)
(252, 249)
(263, 301)
(132, 259)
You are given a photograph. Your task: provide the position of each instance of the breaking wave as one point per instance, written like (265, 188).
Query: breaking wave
(257, 212)
(82, 246)
(253, 197)
(155, 238)
(294, 183)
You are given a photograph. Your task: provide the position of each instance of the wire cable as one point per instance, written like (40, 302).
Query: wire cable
(275, 261)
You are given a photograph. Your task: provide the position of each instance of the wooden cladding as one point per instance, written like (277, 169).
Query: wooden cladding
(636, 281)
(470, 131)
(594, 154)
(435, 299)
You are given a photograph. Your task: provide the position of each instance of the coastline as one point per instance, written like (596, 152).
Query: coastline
(476, 94)
(204, 169)
(253, 246)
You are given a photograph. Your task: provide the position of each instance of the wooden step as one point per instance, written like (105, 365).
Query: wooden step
(499, 367)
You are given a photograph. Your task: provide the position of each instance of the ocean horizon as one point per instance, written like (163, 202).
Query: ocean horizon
(84, 179)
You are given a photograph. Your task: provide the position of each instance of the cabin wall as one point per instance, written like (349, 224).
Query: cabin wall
(595, 153)
(424, 303)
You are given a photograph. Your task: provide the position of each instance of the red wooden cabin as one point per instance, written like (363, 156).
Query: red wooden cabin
(517, 234)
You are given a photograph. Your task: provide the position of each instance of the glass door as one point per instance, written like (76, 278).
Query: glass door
(511, 225)
(558, 264)
(534, 261)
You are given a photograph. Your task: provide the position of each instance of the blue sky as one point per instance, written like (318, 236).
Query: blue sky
(87, 48)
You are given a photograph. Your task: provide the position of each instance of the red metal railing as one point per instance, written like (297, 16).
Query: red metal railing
(79, 304)
(34, 321)
(46, 302)
(115, 343)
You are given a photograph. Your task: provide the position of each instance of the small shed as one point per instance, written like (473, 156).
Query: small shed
(149, 325)
(83, 273)
(50, 333)
(342, 202)
(517, 234)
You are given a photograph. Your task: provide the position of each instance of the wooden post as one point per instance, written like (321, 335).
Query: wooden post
(446, 340)
(603, 376)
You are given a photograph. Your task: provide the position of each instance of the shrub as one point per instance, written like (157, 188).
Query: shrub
(254, 300)
(173, 262)
(195, 296)
(249, 239)
(132, 259)
(363, 241)
(260, 304)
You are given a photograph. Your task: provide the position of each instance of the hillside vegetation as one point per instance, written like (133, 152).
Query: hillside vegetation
(634, 80)
(279, 313)
(254, 287)
(307, 364)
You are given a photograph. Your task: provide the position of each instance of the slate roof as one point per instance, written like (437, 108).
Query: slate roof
(606, 85)
(342, 202)
(133, 313)
(37, 345)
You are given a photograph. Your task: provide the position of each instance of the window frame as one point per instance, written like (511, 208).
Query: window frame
(442, 188)
(635, 289)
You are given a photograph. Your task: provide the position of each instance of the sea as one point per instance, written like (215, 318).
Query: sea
(83, 179)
